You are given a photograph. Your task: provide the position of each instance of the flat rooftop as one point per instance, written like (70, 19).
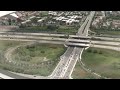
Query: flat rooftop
(3, 13)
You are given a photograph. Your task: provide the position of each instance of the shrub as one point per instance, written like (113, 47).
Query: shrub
(32, 54)
(42, 51)
(28, 58)
(95, 51)
(100, 52)
(32, 46)
(9, 44)
(89, 50)
(25, 58)
(19, 70)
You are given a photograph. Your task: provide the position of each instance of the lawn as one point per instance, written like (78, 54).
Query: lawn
(103, 61)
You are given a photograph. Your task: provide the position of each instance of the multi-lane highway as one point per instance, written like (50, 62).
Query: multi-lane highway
(77, 51)
(68, 60)
(67, 63)
(41, 38)
(63, 61)
(67, 41)
(83, 31)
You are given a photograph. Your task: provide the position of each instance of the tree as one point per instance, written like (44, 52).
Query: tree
(22, 51)
(9, 21)
(52, 27)
(104, 19)
(0, 55)
(42, 51)
(19, 20)
(110, 26)
(21, 26)
(89, 50)
(13, 21)
(34, 20)
(100, 52)
(9, 44)
(25, 58)
(32, 54)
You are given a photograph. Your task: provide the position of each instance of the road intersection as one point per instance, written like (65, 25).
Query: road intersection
(65, 70)
(69, 59)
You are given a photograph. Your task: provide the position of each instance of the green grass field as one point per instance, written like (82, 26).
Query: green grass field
(43, 57)
(103, 61)
(40, 60)
(4, 45)
(39, 52)
(107, 32)
(7, 44)
(80, 73)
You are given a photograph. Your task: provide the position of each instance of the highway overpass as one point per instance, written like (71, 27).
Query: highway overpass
(57, 40)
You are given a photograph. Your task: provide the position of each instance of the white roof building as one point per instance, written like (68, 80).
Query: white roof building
(26, 21)
(40, 20)
(32, 17)
(3, 13)
(14, 15)
(52, 13)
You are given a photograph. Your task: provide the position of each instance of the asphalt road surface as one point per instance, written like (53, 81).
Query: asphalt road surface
(83, 31)
(14, 76)
(66, 65)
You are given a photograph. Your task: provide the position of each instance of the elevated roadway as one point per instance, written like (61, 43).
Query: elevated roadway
(65, 69)
(42, 34)
(41, 38)
(83, 31)
(70, 42)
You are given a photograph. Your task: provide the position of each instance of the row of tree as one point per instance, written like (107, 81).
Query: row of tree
(94, 51)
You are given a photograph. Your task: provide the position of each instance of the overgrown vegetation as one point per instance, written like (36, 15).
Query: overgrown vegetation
(38, 58)
(48, 29)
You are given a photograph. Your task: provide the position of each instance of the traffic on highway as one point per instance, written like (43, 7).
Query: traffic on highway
(75, 44)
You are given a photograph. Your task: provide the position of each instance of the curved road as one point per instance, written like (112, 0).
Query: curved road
(14, 75)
